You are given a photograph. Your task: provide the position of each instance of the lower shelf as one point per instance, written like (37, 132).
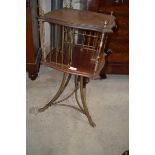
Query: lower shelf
(83, 62)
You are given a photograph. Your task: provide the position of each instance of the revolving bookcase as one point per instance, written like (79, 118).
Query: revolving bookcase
(78, 50)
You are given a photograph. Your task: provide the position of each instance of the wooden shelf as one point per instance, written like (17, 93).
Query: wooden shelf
(82, 60)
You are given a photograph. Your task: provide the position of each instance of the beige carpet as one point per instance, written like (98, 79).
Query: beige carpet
(64, 131)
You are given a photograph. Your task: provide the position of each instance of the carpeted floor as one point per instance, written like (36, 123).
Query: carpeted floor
(64, 131)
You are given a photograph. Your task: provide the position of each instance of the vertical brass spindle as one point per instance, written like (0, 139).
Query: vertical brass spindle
(51, 42)
(62, 46)
(83, 39)
(56, 55)
(98, 53)
(64, 34)
(83, 99)
(68, 41)
(94, 43)
(66, 45)
(59, 38)
(51, 37)
(42, 36)
(94, 40)
(72, 45)
(106, 37)
(89, 38)
(70, 63)
(97, 40)
(97, 43)
(73, 36)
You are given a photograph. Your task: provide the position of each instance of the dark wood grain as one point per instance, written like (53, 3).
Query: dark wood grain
(81, 19)
(33, 52)
(118, 62)
(92, 5)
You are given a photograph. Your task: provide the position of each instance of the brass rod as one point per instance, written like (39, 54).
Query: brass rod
(76, 96)
(66, 97)
(94, 41)
(62, 46)
(68, 39)
(63, 85)
(89, 38)
(83, 39)
(98, 53)
(95, 36)
(73, 107)
(71, 45)
(66, 34)
(101, 42)
(51, 37)
(42, 40)
(87, 47)
(106, 37)
(83, 99)
(56, 30)
(70, 63)
(94, 44)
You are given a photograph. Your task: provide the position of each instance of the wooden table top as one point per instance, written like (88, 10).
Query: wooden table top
(81, 19)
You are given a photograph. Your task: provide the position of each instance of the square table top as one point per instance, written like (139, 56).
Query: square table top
(81, 19)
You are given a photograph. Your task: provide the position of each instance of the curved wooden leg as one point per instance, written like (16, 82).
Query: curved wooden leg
(83, 99)
(63, 85)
